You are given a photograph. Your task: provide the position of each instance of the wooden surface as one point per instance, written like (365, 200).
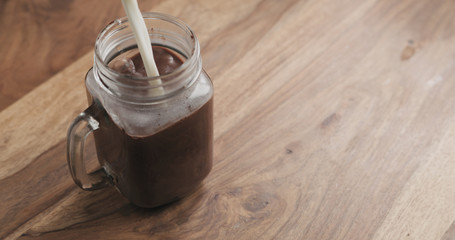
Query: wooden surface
(333, 120)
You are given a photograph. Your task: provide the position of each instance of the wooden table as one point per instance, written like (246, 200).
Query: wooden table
(333, 120)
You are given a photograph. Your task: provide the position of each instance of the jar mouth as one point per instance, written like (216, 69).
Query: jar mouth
(116, 26)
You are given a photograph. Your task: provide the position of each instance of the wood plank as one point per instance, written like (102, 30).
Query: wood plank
(450, 233)
(421, 209)
(333, 120)
(33, 33)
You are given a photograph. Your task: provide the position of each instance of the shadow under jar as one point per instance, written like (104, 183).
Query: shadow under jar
(153, 135)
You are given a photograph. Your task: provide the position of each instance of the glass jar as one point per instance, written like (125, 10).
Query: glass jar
(153, 135)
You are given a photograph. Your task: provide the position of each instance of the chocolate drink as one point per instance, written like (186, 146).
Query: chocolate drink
(130, 61)
(166, 165)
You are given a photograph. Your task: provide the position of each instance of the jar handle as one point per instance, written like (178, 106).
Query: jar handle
(81, 127)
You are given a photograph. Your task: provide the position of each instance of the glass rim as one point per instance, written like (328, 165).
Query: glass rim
(148, 15)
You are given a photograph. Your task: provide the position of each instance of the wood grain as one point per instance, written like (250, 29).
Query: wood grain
(41, 37)
(333, 120)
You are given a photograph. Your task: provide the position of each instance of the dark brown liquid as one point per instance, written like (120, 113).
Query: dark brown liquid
(164, 166)
(130, 62)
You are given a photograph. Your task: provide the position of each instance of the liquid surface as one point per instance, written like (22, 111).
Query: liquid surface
(130, 62)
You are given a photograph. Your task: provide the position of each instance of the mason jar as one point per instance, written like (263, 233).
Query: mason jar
(153, 135)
